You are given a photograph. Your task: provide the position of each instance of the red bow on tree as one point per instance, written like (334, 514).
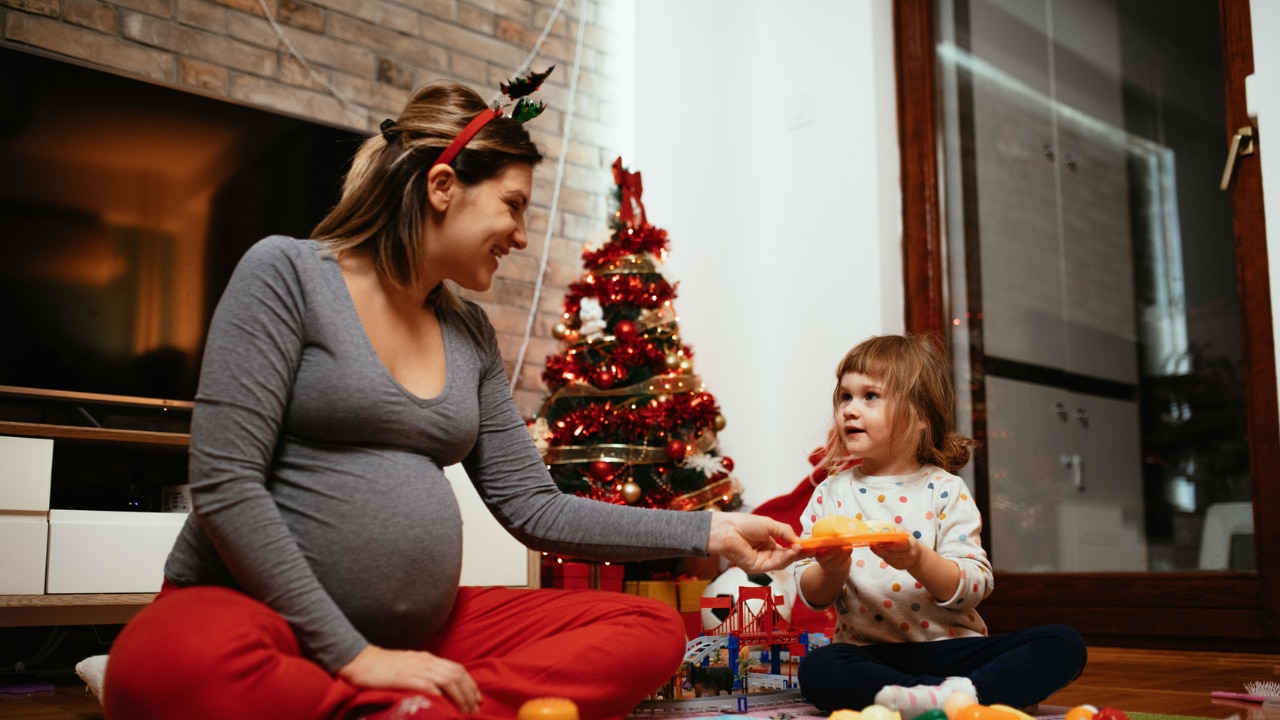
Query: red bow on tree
(632, 188)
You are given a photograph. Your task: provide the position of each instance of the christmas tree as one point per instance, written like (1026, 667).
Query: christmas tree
(627, 420)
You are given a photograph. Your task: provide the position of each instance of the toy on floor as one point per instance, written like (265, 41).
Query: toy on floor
(751, 619)
(1089, 712)
(711, 680)
(1257, 691)
(548, 708)
(963, 706)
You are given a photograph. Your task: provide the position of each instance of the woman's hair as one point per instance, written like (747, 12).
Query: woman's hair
(383, 205)
(915, 379)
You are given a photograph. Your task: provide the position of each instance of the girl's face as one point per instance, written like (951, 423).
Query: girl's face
(482, 225)
(862, 412)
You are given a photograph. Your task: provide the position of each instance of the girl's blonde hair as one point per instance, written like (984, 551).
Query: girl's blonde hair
(915, 378)
(383, 206)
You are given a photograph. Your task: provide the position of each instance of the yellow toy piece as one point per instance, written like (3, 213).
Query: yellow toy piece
(880, 712)
(1015, 711)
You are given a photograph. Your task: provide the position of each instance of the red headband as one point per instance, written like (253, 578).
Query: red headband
(465, 136)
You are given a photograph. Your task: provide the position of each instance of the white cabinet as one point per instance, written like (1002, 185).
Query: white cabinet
(1052, 190)
(1054, 264)
(95, 551)
(1065, 480)
(25, 471)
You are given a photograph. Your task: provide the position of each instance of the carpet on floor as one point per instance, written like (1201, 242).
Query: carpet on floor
(805, 711)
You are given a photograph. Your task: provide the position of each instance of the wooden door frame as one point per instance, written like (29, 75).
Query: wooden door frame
(1189, 610)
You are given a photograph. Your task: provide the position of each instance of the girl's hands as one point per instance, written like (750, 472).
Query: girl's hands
(377, 667)
(823, 582)
(752, 542)
(835, 562)
(903, 555)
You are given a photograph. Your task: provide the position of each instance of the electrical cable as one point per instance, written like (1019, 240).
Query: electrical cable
(555, 201)
(51, 643)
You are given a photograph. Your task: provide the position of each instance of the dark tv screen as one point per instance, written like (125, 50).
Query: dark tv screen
(124, 207)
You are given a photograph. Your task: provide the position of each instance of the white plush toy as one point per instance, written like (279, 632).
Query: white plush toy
(92, 670)
(591, 318)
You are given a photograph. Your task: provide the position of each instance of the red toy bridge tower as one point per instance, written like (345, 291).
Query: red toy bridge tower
(765, 626)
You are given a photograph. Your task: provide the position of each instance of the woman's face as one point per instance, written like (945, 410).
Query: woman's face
(481, 227)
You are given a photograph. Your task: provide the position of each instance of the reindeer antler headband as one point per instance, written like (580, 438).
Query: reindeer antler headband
(525, 110)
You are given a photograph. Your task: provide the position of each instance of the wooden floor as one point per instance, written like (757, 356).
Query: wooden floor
(1169, 682)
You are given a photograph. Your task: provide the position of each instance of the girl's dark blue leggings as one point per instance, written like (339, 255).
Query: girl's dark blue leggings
(1018, 669)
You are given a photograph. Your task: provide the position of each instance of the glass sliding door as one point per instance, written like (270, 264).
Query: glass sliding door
(1092, 293)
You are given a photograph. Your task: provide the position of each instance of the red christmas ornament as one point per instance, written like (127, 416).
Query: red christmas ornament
(601, 470)
(727, 464)
(676, 450)
(603, 379)
(624, 330)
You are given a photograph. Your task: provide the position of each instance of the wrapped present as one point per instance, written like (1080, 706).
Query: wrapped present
(568, 575)
(664, 590)
(689, 595)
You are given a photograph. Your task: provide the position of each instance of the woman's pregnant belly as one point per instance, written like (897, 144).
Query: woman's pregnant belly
(382, 531)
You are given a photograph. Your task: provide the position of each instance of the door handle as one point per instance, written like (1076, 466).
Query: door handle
(1075, 463)
(1241, 146)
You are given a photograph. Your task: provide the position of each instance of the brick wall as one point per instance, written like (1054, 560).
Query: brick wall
(368, 56)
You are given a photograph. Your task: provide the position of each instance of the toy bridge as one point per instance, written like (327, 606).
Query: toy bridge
(766, 626)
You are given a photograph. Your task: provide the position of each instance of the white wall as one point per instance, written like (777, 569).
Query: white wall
(1264, 102)
(766, 136)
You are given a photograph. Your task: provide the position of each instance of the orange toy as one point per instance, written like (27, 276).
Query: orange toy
(984, 712)
(844, 531)
(548, 708)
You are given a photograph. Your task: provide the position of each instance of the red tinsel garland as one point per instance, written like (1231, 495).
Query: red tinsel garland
(630, 289)
(605, 422)
(607, 365)
(648, 240)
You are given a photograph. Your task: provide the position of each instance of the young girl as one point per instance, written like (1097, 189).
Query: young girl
(909, 634)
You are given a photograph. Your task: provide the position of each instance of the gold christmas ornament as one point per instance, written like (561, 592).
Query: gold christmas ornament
(559, 330)
(672, 361)
(686, 366)
(630, 492)
(719, 422)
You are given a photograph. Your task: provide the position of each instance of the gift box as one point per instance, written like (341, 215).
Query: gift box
(664, 590)
(689, 594)
(582, 575)
(568, 575)
(609, 577)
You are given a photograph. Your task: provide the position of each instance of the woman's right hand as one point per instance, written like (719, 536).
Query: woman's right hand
(377, 667)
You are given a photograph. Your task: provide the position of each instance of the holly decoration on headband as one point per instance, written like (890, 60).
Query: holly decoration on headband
(519, 89)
